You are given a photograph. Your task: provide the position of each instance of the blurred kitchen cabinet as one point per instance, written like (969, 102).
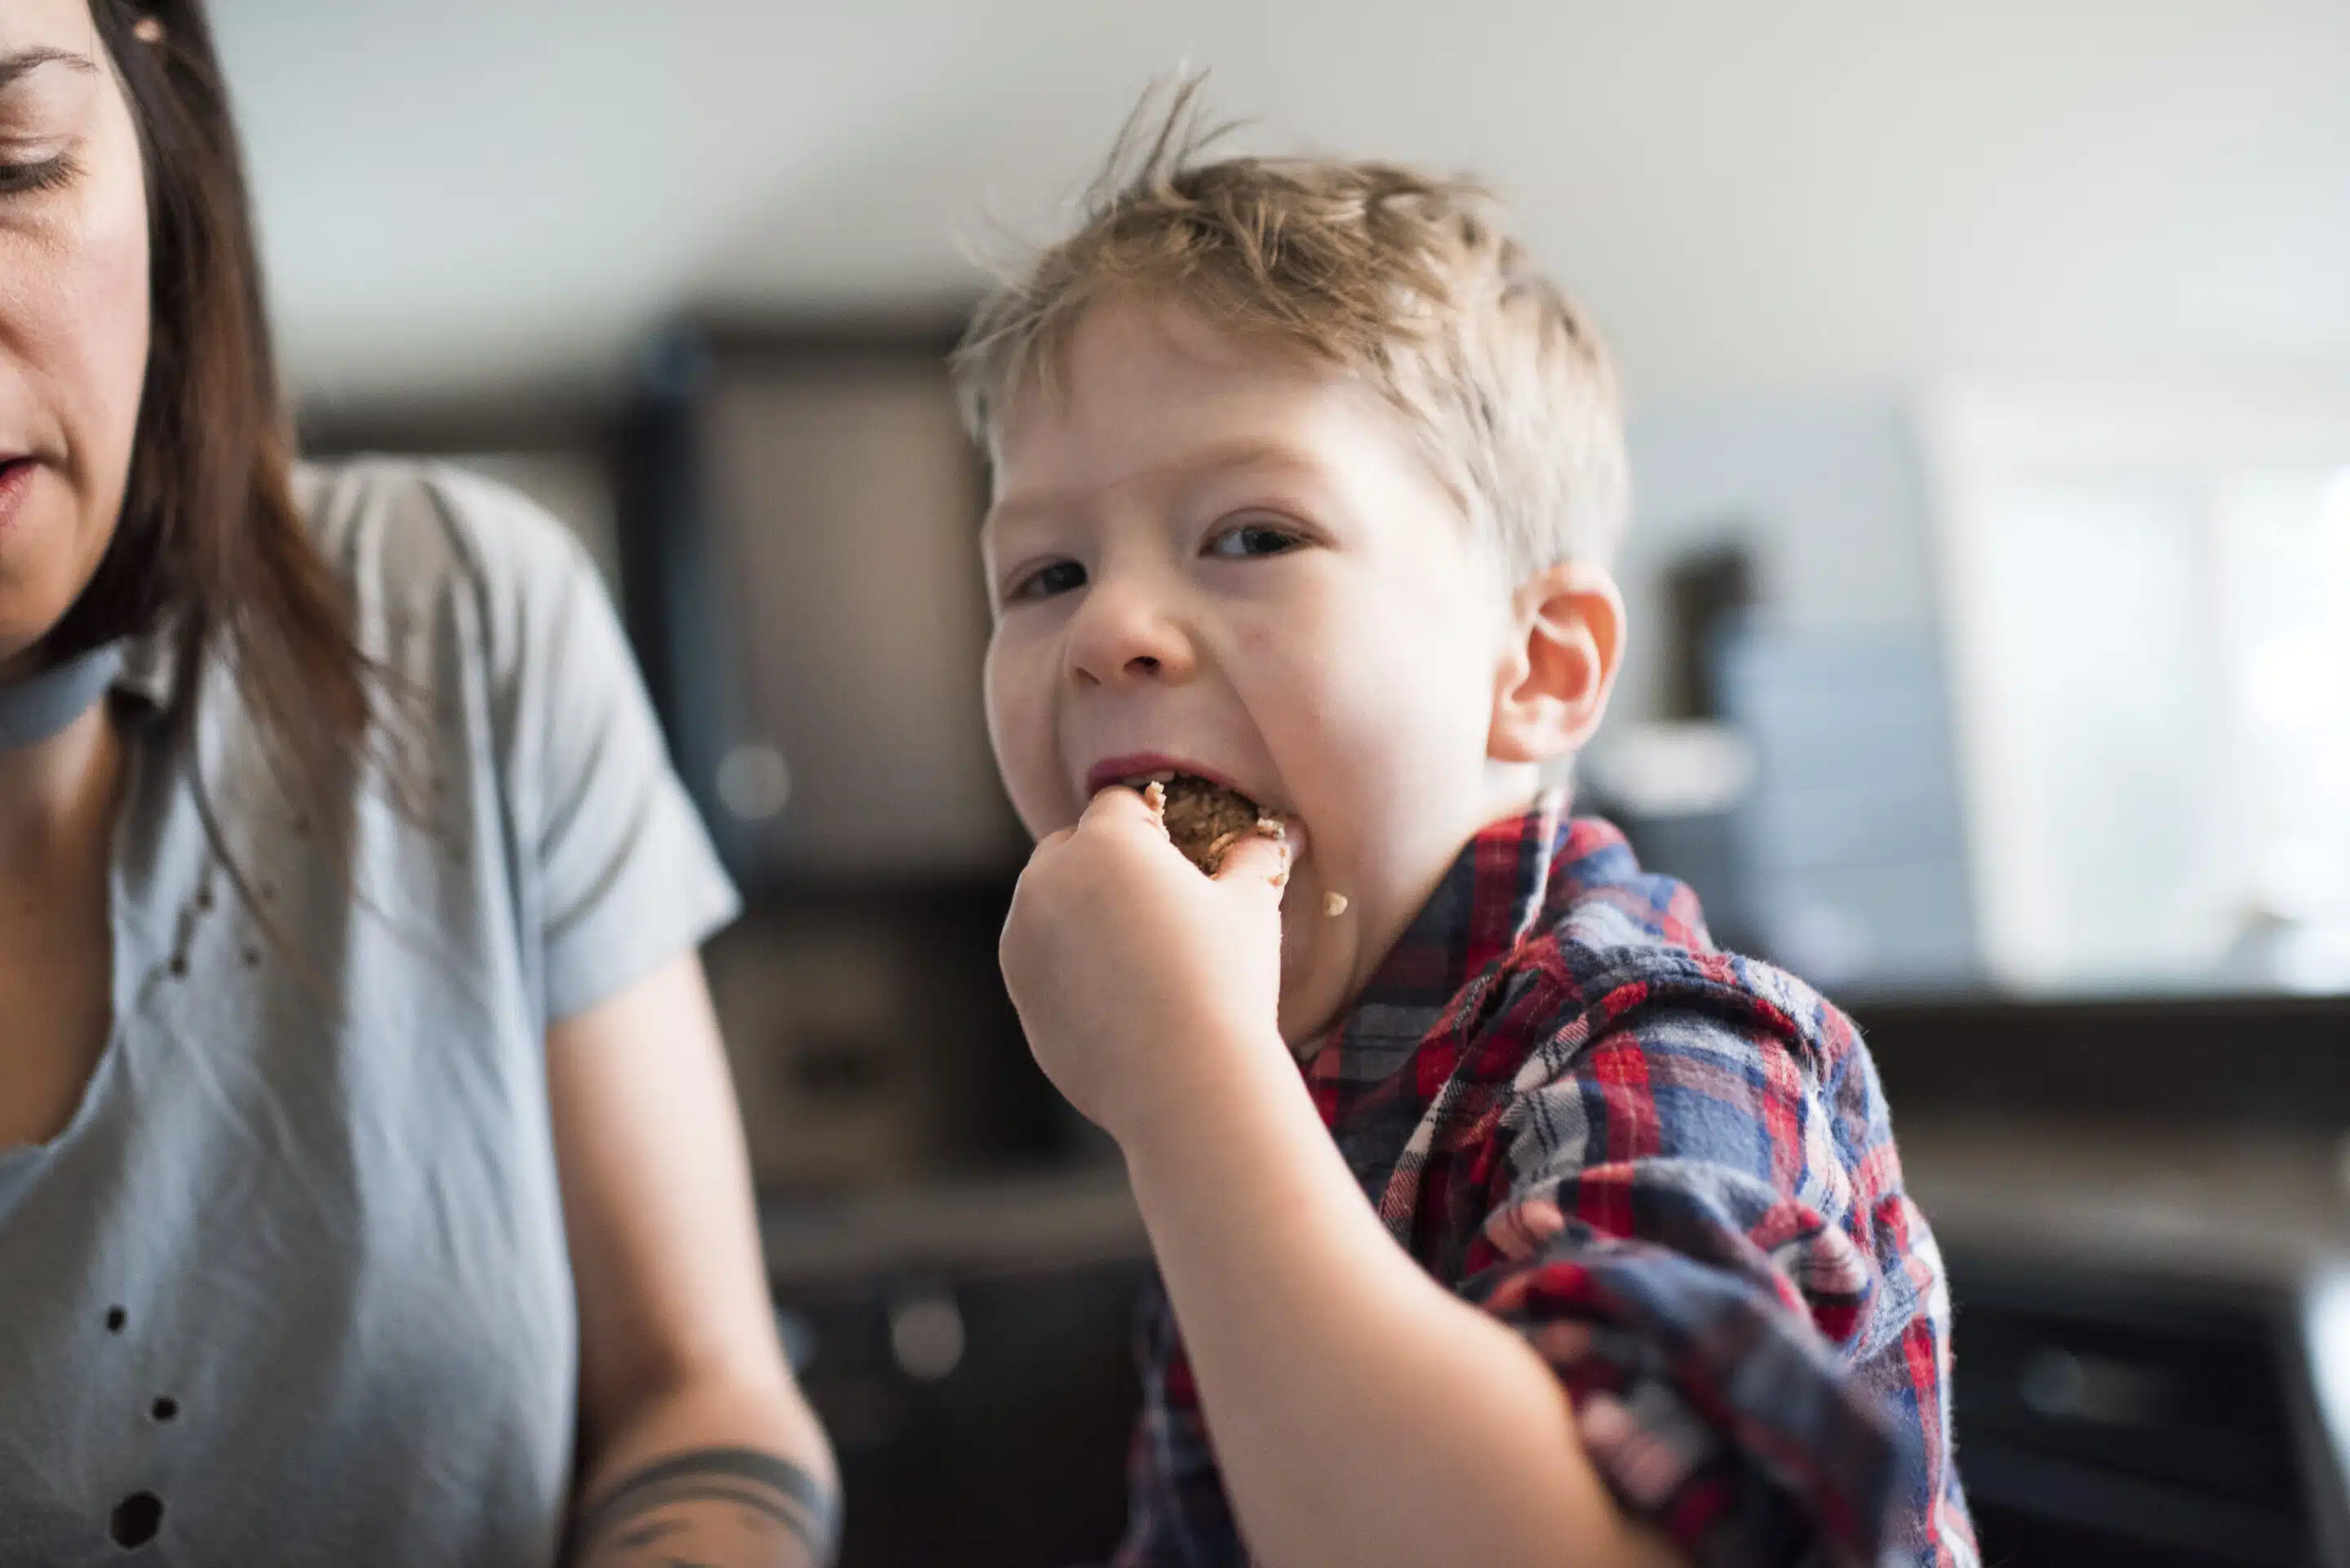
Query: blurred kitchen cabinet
(997, 1441)
(801, 529)
(872, 1043)
(969, 1349)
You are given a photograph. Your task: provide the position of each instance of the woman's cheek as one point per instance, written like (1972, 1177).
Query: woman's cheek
(114, 239)
(99, 330)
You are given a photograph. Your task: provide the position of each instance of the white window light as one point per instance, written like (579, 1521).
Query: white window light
(2147, 597)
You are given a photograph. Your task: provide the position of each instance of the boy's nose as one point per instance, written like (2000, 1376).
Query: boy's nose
(1122, 636)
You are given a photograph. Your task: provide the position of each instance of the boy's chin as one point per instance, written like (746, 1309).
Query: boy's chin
(1308, 1006)
(1304, 1040)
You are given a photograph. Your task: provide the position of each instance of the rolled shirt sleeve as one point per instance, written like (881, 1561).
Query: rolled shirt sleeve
(1677, 1227)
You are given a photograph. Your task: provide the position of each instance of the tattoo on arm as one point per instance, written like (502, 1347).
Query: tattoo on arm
(716, 1507)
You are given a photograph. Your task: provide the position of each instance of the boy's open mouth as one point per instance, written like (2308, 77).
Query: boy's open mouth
(1204, 819)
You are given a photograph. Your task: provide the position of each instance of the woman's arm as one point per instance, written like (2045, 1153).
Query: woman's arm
(695, 1444)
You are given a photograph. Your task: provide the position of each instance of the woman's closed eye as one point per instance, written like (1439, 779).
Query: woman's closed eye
(46, 174)
(1046, 581)
(1249, 540)
(48, 98)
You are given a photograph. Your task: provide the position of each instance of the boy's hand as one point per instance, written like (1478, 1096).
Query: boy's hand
(1134, 975)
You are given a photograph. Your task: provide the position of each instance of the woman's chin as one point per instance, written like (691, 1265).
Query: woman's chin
(26, 616)
(20, 637)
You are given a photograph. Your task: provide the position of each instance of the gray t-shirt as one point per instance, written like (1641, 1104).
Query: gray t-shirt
(292, 1287)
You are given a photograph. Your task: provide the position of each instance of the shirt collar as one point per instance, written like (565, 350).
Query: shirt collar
(1511, 879)
(37, 708)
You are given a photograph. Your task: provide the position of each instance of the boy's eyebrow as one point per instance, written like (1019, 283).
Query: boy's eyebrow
(1241, 452)
(25, 62)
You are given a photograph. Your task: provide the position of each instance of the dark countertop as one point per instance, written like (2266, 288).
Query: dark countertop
(2225, 1204)
(2230, 1203)
(1007, 1224)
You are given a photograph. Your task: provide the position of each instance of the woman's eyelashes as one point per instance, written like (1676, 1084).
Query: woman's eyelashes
(48, 174)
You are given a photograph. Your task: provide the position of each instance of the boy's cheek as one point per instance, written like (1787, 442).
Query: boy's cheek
(1037, 802)
(1027, 762)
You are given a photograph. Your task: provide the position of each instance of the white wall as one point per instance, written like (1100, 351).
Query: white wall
(1814, 193)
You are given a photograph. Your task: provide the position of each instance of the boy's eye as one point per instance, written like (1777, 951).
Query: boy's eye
(1051, 578)
(1250, 540)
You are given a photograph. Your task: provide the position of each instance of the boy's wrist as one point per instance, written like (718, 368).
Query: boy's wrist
(1212, 1086)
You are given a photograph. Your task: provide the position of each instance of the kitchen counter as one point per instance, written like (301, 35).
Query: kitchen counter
(2230, 1204)
(1007, 1224)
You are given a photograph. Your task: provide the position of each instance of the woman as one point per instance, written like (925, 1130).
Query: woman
(370, 1186)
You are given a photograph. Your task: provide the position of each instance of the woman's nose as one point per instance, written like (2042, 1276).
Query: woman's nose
(1126, 633)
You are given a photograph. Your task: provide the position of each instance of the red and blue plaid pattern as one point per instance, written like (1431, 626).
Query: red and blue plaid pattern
(1672, 1170)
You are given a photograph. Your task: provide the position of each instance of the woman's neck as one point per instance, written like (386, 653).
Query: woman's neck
(57, 798)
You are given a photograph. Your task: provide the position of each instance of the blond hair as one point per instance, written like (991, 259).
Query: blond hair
(1406, 279)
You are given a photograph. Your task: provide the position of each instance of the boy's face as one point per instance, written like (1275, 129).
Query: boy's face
(1211, 559)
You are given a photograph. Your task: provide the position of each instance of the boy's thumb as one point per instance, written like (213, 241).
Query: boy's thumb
(1258, 857)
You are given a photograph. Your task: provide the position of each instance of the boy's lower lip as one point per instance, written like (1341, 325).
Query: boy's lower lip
(16, 483)
(1144, 764)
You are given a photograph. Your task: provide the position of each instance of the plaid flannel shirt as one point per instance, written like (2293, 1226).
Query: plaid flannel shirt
(1672, 1170)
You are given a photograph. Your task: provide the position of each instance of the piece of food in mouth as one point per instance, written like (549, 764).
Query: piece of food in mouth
(1204, 819)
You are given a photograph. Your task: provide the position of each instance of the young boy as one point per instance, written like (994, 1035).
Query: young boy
(1575, 1240)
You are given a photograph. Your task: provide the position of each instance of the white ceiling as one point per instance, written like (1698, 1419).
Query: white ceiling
(465, 193)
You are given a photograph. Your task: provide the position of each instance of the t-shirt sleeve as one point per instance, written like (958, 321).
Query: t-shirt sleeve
(622, 871)
(1683, 1226)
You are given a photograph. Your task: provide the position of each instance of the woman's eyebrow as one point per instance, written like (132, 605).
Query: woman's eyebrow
(24, 62)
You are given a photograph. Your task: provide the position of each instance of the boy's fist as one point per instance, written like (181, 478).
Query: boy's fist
(1134, 975)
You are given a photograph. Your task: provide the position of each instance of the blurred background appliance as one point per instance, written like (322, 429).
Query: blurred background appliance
(2109, 1420)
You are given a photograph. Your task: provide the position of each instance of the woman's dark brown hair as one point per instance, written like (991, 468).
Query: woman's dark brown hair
(210, 543)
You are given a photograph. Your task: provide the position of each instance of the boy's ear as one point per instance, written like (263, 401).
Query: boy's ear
(1568, 639)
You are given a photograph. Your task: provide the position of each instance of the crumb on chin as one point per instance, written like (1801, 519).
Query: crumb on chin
(1334, 904)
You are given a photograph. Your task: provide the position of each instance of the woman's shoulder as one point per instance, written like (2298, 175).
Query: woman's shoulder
(423, 544)
(405, 526)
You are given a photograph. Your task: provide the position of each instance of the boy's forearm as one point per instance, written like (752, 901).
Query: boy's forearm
(1363, 1417)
